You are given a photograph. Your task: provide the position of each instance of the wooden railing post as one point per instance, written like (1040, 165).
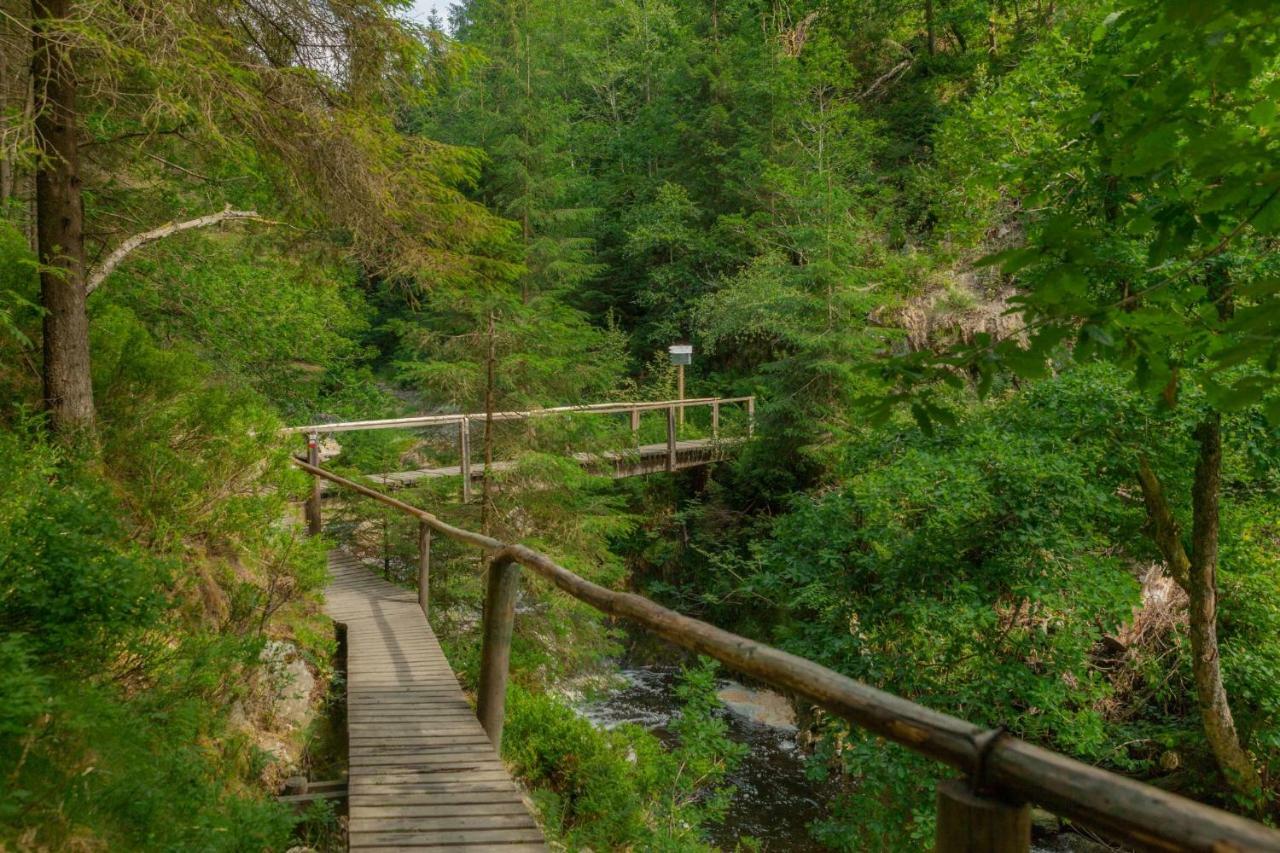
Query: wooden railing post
(315, 522)
(671, 438)
(715, 419)
(424, 564)
(495, 653)
(971, 823)
(680, 391)
(635, 420)
(464, 451)
(751, 416)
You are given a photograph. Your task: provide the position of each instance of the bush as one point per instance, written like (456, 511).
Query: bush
(620, 788)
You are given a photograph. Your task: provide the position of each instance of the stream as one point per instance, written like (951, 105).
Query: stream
(774, 801)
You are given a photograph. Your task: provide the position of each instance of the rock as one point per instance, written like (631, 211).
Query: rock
(291, 684)
(1044, 823)
(1069, 842)
(760, 706)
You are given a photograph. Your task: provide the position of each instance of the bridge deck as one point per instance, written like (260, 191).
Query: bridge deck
(645, 459)
(422, 773)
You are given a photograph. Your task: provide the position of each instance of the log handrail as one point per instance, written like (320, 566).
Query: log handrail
(589, 408)
(997, 764)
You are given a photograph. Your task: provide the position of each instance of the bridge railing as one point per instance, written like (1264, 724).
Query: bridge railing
(986, 810)
(674, 409)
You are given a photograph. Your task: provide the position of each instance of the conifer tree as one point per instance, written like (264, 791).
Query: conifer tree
(302, 96)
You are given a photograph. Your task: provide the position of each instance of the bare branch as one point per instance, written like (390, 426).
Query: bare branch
(887, 77)
(137, 241)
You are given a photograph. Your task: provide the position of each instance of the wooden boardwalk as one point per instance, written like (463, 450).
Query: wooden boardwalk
(646, 459)
(422, 773)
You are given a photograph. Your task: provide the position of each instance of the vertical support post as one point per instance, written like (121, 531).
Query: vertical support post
(386, 543)
(970, 823)
(495, 653)
(635, 421)
(315, 522)
(680, 391)
(424, 564)
(751, 416)
(715, 419)
(464, 451)
(671, 438)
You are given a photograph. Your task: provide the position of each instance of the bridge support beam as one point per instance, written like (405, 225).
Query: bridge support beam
(424, 564)
(971, 823)
(315, 522)
(464, 452)
(671, 438)
(495, 653)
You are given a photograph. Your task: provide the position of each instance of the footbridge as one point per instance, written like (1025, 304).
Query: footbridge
(676, 452)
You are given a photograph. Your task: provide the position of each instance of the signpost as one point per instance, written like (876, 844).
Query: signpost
(681, 354)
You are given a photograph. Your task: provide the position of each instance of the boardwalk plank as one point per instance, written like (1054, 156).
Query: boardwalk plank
(423, 823)
(371, 840)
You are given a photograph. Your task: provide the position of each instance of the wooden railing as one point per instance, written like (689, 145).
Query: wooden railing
(634, 409)
(988, 810)
(674, 411)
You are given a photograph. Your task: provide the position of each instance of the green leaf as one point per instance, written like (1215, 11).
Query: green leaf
(1150, 152)
(1267, 219)
(921, 414)
(1263, 113)
(1271, 410)
(1010, 260)
(1099, 334)
(1243, 393)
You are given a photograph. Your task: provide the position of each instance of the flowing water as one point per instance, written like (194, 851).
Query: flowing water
(774, 801)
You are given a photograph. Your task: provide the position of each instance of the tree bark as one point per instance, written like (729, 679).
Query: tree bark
(930, 34)
(68, 388)
(1215, 712)
(486, 497)
(137, 241)
(1164, 527)
(1197, 575)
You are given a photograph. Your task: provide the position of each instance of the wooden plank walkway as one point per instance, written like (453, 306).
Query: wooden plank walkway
(646, 459)
(422, 773)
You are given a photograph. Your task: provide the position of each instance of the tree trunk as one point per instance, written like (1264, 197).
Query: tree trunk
(486, 498)
(68, 390)
(1202, 588)
(1197, 575)
(930, 34)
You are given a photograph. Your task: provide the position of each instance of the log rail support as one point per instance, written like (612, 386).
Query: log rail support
(969, 822)
(989, 812)
(315, 522)
(424, 564)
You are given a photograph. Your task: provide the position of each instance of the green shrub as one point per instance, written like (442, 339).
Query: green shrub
(620, 788)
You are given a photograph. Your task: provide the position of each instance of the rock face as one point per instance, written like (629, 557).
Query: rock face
(760, 706)
(290, 685)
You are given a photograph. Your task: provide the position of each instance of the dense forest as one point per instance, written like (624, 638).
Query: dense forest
(1001, 274)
